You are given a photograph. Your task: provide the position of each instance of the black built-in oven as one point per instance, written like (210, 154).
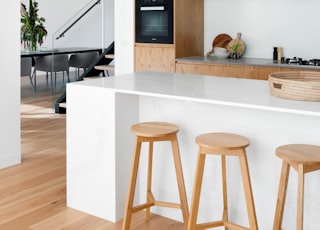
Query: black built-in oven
(154, 21)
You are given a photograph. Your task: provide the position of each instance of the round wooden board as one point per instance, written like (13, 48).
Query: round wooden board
(221, 40)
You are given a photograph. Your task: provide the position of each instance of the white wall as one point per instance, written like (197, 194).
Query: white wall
(87, 32)
(124, 36)
(291, 24)
(10, 152)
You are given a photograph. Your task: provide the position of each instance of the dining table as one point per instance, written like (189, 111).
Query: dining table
(52, 51)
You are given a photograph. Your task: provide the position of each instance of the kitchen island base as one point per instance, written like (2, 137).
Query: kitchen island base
(101, 111)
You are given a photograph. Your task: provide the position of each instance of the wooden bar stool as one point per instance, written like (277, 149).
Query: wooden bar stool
(224, 144)
(304, 159)
(151, 132)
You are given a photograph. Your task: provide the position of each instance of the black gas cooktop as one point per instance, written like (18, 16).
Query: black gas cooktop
(300, 61)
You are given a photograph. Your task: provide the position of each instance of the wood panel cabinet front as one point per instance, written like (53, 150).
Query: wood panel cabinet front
(263, 72)
(238, 71)
(154, 57)
(217, 70)
(189, 28)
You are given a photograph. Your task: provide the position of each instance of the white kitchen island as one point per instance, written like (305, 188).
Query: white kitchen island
(99, 143)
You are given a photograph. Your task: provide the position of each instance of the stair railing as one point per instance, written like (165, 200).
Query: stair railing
(73, 21)
(66, 35)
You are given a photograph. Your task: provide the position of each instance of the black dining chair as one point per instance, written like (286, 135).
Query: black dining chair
(52, 64)
(82, 61)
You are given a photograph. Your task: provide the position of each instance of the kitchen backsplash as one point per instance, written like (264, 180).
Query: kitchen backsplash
(264, 24)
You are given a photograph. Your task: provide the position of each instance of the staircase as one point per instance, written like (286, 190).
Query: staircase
(104, 59)
(99, 67)
(108, 67)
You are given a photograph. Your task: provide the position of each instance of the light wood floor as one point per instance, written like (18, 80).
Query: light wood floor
(33, 194)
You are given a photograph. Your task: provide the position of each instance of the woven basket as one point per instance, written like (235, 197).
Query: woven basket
(304, 86)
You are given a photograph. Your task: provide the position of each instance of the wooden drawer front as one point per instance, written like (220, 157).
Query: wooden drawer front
(251, 72)
(217, 70)
(154, 59)
(263, 72)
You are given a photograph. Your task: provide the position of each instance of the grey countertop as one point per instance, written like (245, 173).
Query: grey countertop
(243, 61)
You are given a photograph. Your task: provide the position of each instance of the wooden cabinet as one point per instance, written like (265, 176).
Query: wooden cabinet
(160, 57)
(188, 28)
(238, 71)
(188, 39)
(263, 72)
(217, 70)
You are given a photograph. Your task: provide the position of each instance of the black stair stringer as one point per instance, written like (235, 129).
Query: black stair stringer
(89, 72)
(101, 60)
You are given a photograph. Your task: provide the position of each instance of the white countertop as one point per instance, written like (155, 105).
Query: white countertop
(245, 93)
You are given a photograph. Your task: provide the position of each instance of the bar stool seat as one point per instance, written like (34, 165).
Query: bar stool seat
(303, 158)
(224, 144)
(151, 132)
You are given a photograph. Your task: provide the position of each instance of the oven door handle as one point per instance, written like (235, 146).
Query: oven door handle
(152, 8)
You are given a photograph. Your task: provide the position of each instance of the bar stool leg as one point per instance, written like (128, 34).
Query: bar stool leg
(180, 180)
(196, 191)
(283, 185)
(224, 189)
(300, 197)
(149, 183)
(248, 191)
(132, 185)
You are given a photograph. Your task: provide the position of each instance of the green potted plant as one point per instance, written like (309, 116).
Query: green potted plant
(235, 50)
(33, 31)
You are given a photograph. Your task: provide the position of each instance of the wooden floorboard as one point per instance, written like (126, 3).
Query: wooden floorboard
(33, 193)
